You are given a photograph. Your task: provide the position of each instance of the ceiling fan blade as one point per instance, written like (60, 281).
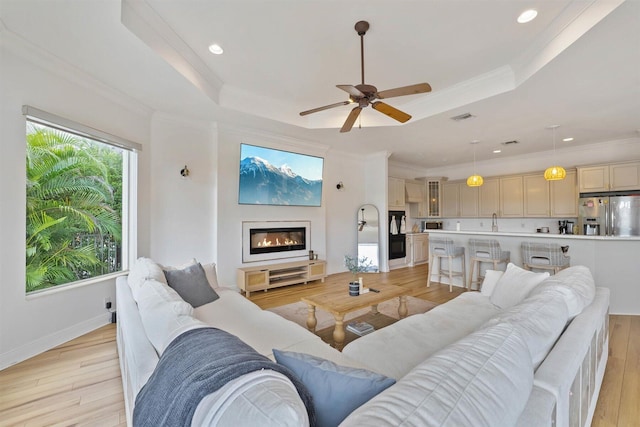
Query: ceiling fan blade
(351, 119)
(394, 113)
(326, 107)
(351, 90)
(405, 90)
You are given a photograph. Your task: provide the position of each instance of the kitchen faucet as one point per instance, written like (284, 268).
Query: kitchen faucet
(494, 222)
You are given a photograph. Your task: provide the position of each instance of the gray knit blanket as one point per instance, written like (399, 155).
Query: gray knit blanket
(195, 364)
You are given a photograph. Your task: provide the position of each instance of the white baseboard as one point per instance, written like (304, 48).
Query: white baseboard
(48, 342)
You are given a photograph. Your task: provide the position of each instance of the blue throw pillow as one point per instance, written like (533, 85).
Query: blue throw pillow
(336, 390)
(191, 284)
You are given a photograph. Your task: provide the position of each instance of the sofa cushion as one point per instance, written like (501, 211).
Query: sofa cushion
(162, 311)
(540, 319)
(144, 269)
(482, 380)
(191, 284)
(336, 390)
(491, 278)
(575, 285)
(514, 285)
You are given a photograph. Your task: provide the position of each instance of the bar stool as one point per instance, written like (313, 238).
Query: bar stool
(481, 250)
(544, 256)
(445, 248)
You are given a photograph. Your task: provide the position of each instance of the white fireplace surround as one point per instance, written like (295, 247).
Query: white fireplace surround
(247, 256)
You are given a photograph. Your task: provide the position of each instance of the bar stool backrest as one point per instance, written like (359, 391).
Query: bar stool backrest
(532, 252)
(442, 246)
(485, 248)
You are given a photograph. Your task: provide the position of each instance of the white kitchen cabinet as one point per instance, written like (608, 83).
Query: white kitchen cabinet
(536, 196)
(489, 198)
(434, 198)
(511, 197)
(594, 178)
(450, 199)
(563, 196)
(396, 193)
(417, 248)
(468, 201)
(624, 176)
(610, 177)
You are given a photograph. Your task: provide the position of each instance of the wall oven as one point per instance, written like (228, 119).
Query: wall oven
(397, 237)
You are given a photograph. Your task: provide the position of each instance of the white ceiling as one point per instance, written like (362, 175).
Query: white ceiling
(577, 65)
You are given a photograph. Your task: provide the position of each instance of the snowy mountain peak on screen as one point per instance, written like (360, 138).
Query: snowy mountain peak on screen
(285, 169)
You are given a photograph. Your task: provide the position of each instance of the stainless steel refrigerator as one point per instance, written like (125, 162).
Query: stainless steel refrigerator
(609, 215)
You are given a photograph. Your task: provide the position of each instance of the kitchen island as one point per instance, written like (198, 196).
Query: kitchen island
(613, 261)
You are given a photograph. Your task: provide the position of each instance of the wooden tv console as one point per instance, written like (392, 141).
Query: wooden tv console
(263, 277)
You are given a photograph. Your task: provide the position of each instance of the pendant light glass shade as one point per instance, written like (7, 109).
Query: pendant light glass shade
(474, 180)
(554, 173)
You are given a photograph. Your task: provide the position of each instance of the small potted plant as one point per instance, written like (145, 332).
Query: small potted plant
(356, 265)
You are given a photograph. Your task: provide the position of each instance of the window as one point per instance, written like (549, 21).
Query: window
(79, 182)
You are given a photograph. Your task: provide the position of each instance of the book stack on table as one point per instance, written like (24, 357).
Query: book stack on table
(360, 328)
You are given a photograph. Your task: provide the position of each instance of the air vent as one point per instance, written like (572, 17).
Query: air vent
(464, 116)
(510, 142)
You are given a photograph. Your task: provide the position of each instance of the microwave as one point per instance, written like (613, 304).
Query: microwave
(431, 225)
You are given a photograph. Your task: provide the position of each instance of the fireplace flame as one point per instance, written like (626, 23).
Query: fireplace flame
(267, 243)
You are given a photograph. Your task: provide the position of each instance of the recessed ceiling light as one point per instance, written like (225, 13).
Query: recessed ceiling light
(497, 151)
(216, 49)
(527, 16)
(567, 139)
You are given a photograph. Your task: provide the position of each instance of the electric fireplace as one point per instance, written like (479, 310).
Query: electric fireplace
(265, 240)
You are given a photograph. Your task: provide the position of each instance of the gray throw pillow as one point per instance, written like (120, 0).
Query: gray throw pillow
(336, 390)
(192, 285)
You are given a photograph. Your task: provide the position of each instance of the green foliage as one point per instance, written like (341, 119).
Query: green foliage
(357, 265)
(70, 191)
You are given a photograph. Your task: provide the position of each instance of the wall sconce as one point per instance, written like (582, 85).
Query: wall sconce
(340, 186)
(184, 171)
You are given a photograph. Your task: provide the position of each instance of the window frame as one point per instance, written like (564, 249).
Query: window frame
(129, 189)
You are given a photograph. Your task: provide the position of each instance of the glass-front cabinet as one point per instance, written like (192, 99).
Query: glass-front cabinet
(433, 198)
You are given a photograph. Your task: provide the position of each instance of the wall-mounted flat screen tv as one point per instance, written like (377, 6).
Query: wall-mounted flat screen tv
(275, 177)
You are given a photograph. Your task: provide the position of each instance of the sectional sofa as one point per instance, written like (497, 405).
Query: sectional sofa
(528, 350)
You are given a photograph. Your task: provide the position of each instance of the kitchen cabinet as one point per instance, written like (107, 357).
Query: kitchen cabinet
(450, 199)
(610, 177)
(417, 248)
(536, 196)
(624, 176)
(434, 198)
(511, 197)
(414, 192)
(468, 201)
(396, 193)
(563, 196)
(489, 197)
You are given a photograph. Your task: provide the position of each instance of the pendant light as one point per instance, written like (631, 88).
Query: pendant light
(474, 180)
(554, 173)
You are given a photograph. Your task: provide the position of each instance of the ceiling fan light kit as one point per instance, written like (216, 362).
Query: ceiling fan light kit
(365, 95)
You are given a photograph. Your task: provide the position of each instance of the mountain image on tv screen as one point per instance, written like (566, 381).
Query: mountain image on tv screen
(275, 177)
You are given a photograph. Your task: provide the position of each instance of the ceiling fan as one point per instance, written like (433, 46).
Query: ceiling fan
(364, 94)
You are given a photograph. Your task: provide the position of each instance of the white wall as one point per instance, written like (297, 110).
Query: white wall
(183, 209)
(30, 325)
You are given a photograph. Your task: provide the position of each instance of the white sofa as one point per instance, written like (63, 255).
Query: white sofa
(466, 362)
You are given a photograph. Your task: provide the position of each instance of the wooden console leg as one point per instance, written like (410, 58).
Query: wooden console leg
(338, 332)
(311, 317)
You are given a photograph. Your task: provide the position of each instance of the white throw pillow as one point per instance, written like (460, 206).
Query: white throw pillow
(144, 269)
(514, 285)
(491, 278)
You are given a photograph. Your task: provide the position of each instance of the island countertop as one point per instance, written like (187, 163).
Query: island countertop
(498, 234)
(614, 261)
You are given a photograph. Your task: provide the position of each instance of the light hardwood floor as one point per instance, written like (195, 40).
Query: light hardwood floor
(78, 383)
